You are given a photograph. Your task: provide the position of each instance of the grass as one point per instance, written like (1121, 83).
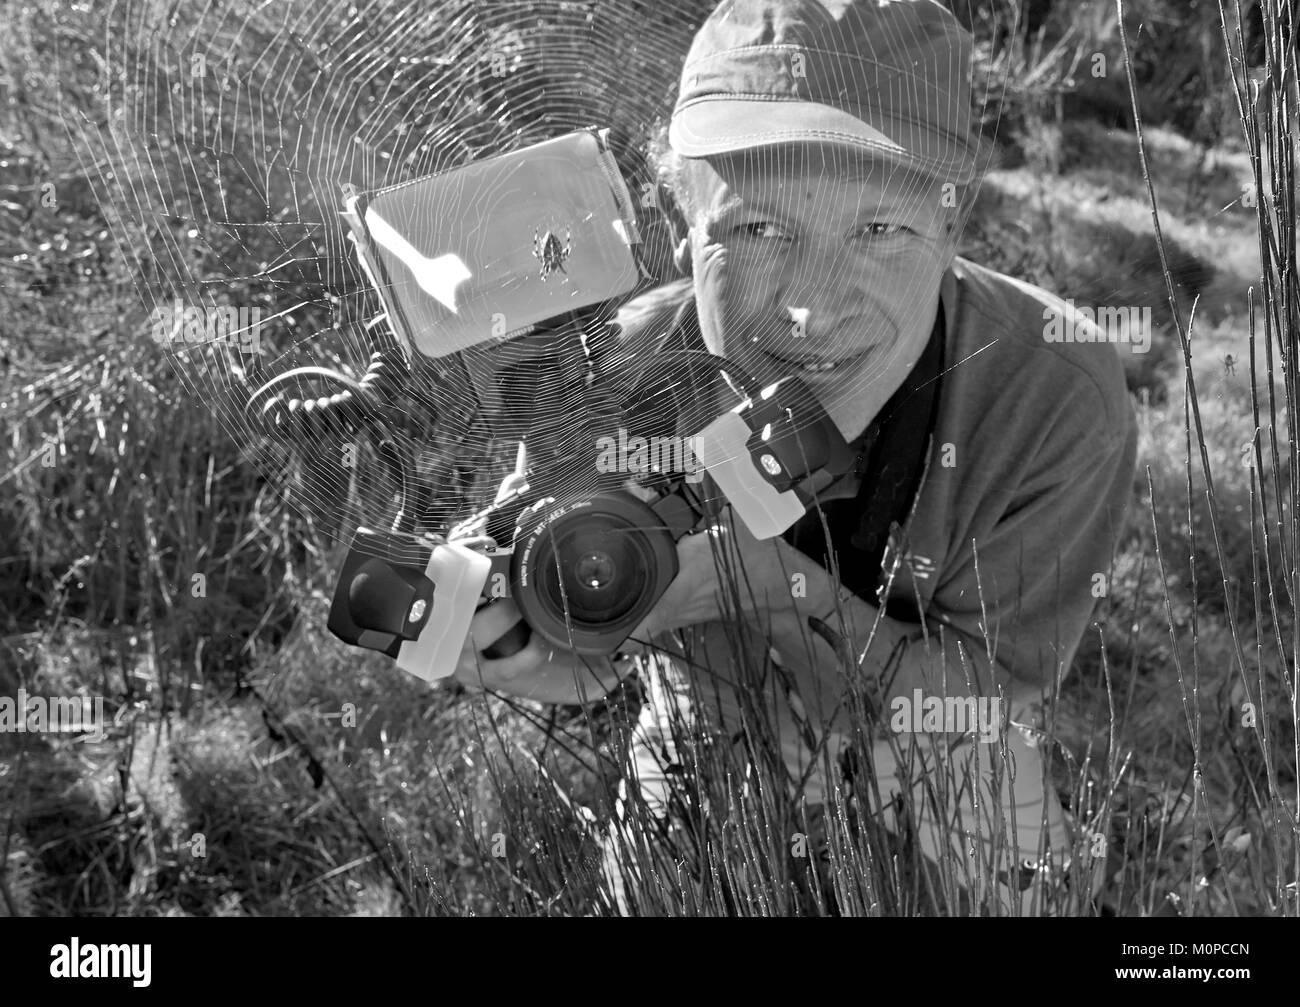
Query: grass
(257, 767)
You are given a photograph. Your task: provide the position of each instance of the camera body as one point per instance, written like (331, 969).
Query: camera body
(584, 568)
(584, 572)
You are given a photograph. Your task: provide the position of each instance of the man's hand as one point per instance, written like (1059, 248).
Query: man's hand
(697, 594)
(777, 589)
(763, 573)
(538, 671)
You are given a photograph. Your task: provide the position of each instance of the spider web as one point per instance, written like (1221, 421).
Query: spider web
(231, 129)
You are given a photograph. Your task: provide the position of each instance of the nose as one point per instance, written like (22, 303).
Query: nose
(824, 281)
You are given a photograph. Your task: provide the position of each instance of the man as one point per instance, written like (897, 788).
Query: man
(822, 158)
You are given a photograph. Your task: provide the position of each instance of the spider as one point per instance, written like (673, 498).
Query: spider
(550, 253)
(1229, 364)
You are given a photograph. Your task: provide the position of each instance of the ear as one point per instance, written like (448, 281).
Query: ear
(671, 213)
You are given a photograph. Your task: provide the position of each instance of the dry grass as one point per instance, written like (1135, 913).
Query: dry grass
(256, 767)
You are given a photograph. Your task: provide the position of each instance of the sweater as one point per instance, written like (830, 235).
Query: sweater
(1028, 476)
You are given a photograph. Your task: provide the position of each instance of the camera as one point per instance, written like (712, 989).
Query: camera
(584, 568)
(491, 266)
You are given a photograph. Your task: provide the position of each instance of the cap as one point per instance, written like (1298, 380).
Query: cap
(886, 76)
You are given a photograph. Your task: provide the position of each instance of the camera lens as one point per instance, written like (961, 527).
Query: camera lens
(587, 570)
(595, 570)
(593, 564)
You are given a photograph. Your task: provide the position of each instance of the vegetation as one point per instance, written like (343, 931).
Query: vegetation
(255, 766)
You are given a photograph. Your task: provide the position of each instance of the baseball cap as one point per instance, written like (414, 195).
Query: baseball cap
(885, 76)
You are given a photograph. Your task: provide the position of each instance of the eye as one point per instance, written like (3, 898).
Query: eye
(881, 230)
(763, 230)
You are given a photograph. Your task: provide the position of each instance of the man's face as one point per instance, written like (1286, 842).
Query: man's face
(813, 261)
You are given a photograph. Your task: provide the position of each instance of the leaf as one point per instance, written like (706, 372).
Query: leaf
(1237, 839)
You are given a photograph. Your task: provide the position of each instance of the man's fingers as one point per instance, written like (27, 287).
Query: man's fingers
(493, 621)
(489, 624)
(492, 673)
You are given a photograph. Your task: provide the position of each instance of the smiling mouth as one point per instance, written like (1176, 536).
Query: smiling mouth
(815, 365)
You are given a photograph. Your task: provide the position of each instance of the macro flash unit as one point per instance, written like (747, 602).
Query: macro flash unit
(408, 597)
(484, 251)
(760, 451)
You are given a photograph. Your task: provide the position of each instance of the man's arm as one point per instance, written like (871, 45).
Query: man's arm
(1024, 591)
(1029, 580)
